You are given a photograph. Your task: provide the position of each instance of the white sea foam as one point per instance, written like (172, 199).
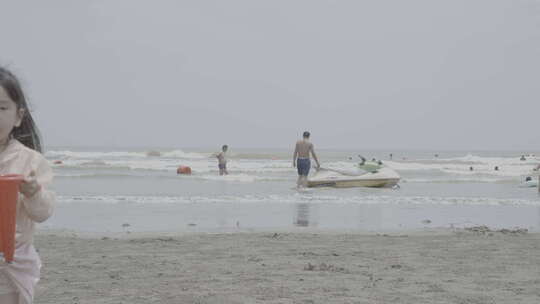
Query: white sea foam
(257, 169)
(296, 198)
(469, 158)
(179, 154)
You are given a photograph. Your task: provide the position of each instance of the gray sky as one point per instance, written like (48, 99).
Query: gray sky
(392, 74)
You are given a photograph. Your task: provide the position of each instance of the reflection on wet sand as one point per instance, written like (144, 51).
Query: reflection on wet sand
(302, 215)
(369, 217)
(538, 218)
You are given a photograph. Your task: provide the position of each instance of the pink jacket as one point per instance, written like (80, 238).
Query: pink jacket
(24, 272)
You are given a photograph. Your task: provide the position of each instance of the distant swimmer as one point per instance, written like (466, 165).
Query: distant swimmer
(522, 158)
(391, 156)
(222, 160)
(301, 159)
(496, 168)
(471, 168)
(528, 179)
(436, 155)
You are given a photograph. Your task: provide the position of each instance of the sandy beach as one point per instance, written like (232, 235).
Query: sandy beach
(460, 266)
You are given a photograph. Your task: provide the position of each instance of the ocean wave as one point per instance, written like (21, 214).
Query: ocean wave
(200, 166)
(453, 169)
(464, 169)
(495, 161)
(114, 155)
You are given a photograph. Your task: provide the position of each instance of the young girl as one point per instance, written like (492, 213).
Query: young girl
(20, 149)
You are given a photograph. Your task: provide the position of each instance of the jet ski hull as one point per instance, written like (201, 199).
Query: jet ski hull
(384, 178)
(375, 183)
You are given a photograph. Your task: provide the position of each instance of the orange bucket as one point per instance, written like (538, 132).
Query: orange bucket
(183, 170)
(9, 194)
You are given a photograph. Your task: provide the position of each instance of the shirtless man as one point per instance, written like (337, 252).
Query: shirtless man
(222, 161)
(301, 159)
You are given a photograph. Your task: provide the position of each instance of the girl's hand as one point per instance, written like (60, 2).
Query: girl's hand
(30, 186)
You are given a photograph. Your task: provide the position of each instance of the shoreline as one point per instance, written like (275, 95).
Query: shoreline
(127, 235)
(436, 266)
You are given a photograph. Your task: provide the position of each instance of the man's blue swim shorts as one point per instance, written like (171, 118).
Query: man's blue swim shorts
(303, 165)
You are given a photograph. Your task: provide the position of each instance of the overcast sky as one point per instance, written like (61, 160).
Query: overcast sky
(378, 74)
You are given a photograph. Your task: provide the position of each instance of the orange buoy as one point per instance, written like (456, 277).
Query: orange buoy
(9, 194)
(57, 162)
(183, 170)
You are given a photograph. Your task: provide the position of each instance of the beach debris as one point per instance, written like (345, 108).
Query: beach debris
(395, 266)
(426, 222)
(434, 288)
(114, 275)
(479, 229)
(514, 231)
(486, 230)
(324, 267)
(105, 238)
(58, 162)
(192, 224)
(254, 259)
(372, 280)
(388, 235)
(166, 239)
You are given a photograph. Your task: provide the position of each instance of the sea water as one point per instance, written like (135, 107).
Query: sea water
(138, 190)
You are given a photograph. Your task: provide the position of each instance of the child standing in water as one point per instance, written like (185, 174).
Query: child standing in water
(222, 160)
(20, 149)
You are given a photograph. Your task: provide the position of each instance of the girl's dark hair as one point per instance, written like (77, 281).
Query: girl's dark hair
(27, 133)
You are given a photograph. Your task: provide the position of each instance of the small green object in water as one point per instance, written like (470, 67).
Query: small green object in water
(370, 166)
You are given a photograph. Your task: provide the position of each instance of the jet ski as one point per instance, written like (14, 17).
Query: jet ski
(366, 174)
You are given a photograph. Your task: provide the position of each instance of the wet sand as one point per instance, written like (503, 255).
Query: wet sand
(463, 266)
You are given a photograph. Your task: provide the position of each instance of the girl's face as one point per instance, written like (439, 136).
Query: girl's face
(10, 116)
